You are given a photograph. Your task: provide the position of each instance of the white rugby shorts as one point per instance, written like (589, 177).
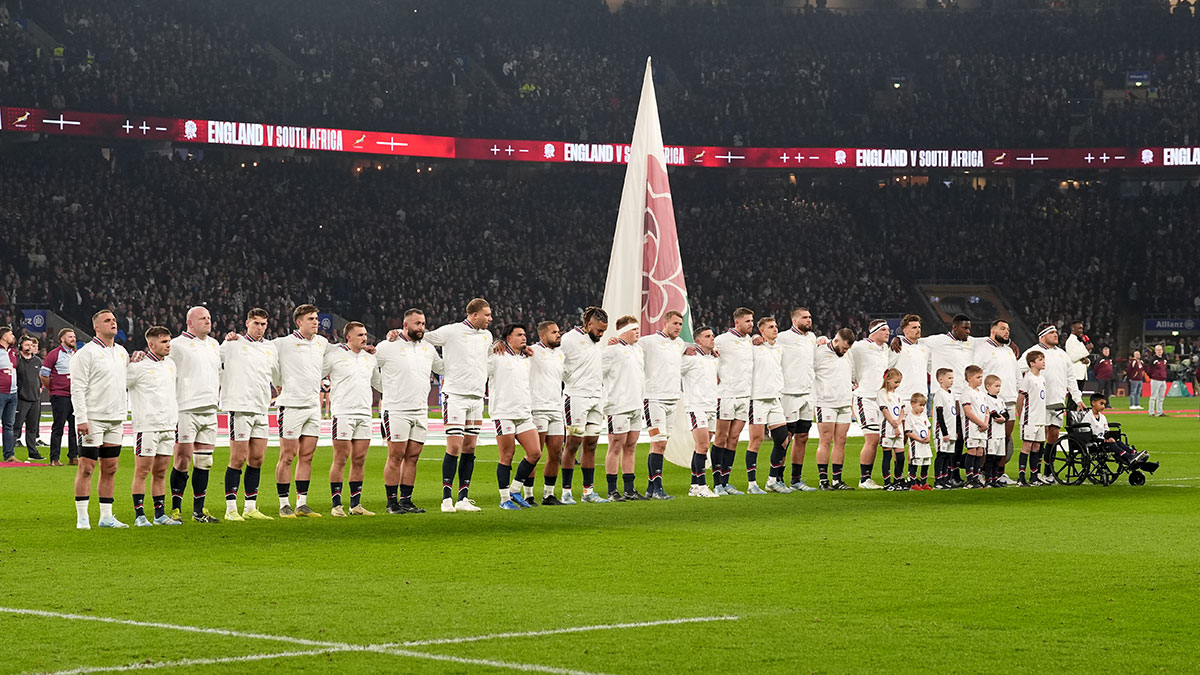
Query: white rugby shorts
(351, 428)
(197, 427)
(733, 409)
(796, 408)
(584, 415)
(625, 422)
(834, 415)
(297, 422)
(550, 422)
(243, 426)
(659, 418)
(768, 412)
(154, 443)
(401, 427)
(867, 410)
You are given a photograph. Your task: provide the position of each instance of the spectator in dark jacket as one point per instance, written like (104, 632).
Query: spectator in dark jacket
(56, 377)
(29, 395)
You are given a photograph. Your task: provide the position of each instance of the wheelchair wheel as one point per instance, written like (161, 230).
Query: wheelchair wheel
(1137, 478)
(1071, 461)
(1105, 468)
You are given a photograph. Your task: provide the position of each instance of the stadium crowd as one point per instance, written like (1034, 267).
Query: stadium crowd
(571, 70)
(151, 236)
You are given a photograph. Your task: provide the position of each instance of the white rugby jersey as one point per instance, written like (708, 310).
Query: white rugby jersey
(351, 380)
(767, 378)
(198, 371)
(404, 368)
(980, 405)
(700, 381)
(246, 366)
(944, 407)
(98, 376)
(895, 405)
(663, 363)
(509, 395)
(1057, 373)
(1099, 425)
(917, 425)
(868, 362)
(623, 378)
(465, 350)
(832, 384)
(947, 351)
(583, 373)
(298, 366)
(735, 364)
(151, 383)
(1033, 407)
(913, 364)
(996, 426)
(545, 378)
(999, 360)
(797, 361)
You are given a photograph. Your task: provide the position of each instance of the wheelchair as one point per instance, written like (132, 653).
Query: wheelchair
(1080, 457)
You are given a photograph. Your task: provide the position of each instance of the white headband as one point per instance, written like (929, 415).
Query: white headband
(628, 326)
(1048, 329)
(877, 325)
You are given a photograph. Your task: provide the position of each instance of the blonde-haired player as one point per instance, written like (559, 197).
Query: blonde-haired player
(662, 352)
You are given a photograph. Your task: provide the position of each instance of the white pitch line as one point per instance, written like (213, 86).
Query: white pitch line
(187, 629)
(560, 631)
(394, 649)
(184, 663)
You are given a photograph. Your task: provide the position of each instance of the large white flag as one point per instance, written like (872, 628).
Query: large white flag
(645, 272)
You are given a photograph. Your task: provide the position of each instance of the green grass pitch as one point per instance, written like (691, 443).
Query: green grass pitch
(1069, 579)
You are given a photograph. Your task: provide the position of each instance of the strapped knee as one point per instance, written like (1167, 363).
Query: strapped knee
(203, 462)
(779, 435)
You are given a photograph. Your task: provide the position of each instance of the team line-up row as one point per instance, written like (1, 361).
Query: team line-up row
(561, 393)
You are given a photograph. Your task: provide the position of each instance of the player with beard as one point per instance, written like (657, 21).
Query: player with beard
(1059, 386)
(735, 366)
(833, 392)
(868, 362)
(546, 392)
(405, 365)
(997, 355)
(624, 382)
(583, 391)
